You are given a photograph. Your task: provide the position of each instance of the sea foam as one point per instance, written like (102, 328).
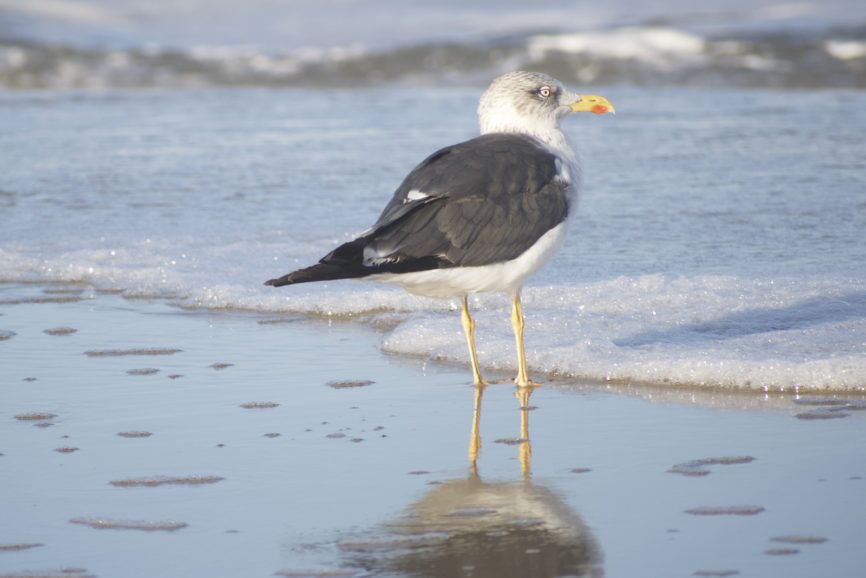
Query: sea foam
(700, 330)
(642, 55)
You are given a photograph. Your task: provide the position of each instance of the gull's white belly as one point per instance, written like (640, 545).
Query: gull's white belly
(507, 276)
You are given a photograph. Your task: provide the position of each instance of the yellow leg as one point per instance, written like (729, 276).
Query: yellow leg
(522, 378)
(525, 451)
(469, 330)
(475, 437)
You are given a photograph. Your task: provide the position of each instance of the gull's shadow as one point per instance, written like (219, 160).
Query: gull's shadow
(472, 527)
(814, 311)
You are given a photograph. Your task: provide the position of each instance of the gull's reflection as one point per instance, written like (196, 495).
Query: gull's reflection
(471, 527)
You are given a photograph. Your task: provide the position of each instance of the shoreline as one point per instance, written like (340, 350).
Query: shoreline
(231, 447)
(383, 320)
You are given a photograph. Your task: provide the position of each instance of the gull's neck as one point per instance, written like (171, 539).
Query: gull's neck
(548, 134)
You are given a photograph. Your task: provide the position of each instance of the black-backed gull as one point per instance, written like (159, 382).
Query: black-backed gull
(479, 216)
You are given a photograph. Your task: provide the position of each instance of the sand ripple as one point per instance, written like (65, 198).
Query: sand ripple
(36, 416)
(18, 547)
(145, 526)
(696, 468)
(143, 371)
(725, 511)
(799, 539)
(125, 352)
(259, 405)
(154, 481)
(350, 384)
(61, 331)
(134, 434)
(511, 441)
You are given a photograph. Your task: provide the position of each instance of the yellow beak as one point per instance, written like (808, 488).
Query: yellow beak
(592, 103)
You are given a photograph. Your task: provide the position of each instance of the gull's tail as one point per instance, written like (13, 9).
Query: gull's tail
(344, 262)
(318, 272)
(347, 261)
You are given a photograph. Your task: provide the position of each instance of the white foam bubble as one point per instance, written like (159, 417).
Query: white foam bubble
(657, 45)
(846, 49)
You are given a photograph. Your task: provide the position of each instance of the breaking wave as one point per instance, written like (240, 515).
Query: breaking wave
(639, 55)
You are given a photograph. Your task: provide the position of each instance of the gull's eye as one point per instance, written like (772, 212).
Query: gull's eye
(544, 91)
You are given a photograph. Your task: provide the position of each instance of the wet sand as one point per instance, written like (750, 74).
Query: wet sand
(298, 449)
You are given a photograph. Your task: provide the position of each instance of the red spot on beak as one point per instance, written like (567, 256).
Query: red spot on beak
(599, 109)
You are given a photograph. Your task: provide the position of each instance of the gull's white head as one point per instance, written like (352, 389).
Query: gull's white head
(532, 103)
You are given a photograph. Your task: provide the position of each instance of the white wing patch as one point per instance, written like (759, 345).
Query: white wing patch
(414, 195)
(563, 174)
(373, 257)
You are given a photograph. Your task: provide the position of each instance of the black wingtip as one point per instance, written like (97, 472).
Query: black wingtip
(318, 272)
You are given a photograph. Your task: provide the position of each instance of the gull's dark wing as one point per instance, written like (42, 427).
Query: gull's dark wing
(483, 201)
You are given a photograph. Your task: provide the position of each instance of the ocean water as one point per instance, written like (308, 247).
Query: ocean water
(61, 44)
(718, 243)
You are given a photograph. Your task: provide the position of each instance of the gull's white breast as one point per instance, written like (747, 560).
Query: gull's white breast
(507, 276)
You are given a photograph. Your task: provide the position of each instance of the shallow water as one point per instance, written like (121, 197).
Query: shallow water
(718, 242)
(407, 489)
